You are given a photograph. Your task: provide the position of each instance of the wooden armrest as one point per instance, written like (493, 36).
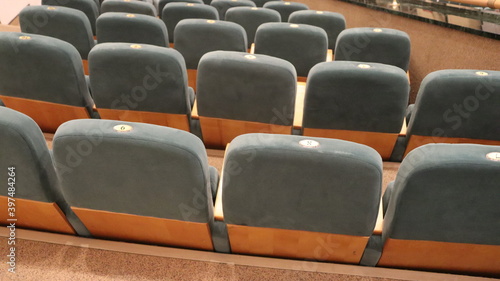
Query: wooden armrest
(403, 128)
(299, 105)
(218, 211)
(329, 55)
(380, 220)
(10, 28)
(408, 75)
(194, 111)
(252, 49)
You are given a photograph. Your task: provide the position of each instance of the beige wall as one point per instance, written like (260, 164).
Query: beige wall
(433, 47)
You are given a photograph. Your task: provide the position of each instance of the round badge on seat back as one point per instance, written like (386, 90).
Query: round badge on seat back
(493, 156)
(309, 143)
(122, 128)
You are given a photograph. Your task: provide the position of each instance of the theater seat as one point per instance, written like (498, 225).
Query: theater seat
(359, 102)
(98, 4)
(31, 197)
(43, 78)
(367, 44)
(128, 6)
(260, 3)
(88, 7)
(443, 211)
(131, 28)
(173, 13)
(138, 182)
(195, 37)
(250, 18)
(58, 21)
(223, 5)
(162, 3)
(285, 8)
(141, 83)
(301, 44)
(332, 23)
(298, 197)
(239, 93)
(456, 106)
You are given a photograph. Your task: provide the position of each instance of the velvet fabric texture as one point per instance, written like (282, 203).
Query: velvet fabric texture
(163, 3)
(167, 169)
(345, 95)
(250, 18)
(149, 78)
(446, 193)
(285, 8)
(132, 7)
(458, 103)
(240, 86)
(88, 7)
(42, 68)
(67, 24)
(174, 12)
(274, 181)
(131, 28)
(24, 147)
(223, 5)
(260, 3)
(368, 44)
(332, 23)
(303, 45)
(195, 37)
(164, 167)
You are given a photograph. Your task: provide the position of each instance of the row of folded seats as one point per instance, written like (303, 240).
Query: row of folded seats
(241, 93)
(93, 8)
(195, 29)
(296, 197)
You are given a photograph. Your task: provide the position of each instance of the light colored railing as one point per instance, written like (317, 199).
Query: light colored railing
(494, 4)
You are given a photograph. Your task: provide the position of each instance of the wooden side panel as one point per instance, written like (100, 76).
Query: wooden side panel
(36, 215)
(416, 141)
(86, 67)
(219, 132)
(218, 210)
(302, 79)
(296, 244)
(179, 121)
(192, 74)
(383, 143)
(47, 115)
(299, 105)
(441, 256)
(329, 55)
(127, 227)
